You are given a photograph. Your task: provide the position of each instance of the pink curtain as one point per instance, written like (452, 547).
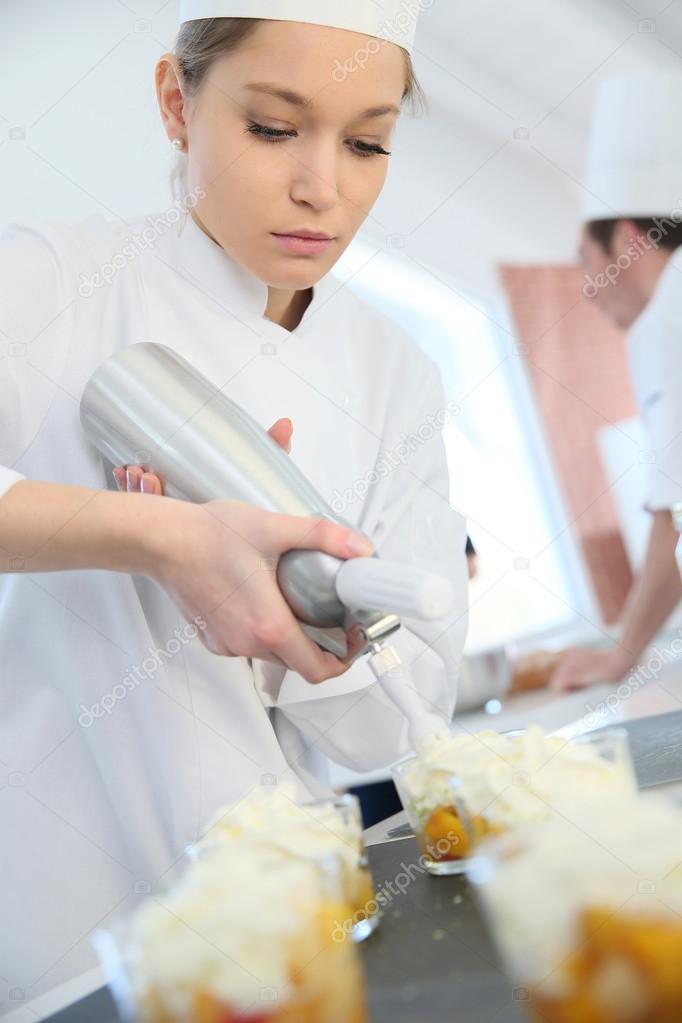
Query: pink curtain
(577, 366)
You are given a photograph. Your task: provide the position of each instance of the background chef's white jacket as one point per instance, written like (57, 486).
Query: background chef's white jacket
(655, 357)
(95, 810)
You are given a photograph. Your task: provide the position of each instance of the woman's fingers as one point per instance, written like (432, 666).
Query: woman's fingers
(355, 643)
(134, 480)
(294, 532)
(582, 667)
(228, 544)
(281, 432)
(213, 642)
(133, 477)
(301, 654)
(150, 484)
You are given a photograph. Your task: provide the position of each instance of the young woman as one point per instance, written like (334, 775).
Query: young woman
(121, 729)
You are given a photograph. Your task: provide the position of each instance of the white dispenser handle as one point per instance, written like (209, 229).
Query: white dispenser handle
(374, 584)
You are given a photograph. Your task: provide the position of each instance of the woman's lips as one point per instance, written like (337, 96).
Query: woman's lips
(303, 246)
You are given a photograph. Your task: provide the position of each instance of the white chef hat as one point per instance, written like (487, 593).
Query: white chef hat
(392, 20)
(634, 166)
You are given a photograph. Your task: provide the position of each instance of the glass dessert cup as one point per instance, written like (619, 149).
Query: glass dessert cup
(438, 828)
(322, 828)
(539, 780)
(611, 745)
(322, 984)
(154, 978)
(627, 970)
(587, 912)
(488, 784)
(344, 818)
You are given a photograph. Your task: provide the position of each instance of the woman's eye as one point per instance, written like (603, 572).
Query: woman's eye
(269, 134)
(368, 148)
(361, 149)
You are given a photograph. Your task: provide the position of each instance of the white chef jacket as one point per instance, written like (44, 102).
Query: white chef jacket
(96, 811)
(655, 358)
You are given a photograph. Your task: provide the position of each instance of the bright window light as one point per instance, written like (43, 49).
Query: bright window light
(530, 580)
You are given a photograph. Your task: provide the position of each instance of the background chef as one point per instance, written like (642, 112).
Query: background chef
(630, 251)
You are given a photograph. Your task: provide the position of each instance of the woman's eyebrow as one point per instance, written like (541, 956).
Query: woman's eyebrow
(297, 100)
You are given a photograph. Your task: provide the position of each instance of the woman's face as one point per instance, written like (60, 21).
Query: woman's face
(272, 165)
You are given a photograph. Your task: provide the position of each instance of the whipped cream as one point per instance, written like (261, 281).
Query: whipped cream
(272, 818)
(509, 779)
(245, 917)
(624, 854)
(232, 927)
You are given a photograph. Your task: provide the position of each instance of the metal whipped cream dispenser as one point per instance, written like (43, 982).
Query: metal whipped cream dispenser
(147, 405)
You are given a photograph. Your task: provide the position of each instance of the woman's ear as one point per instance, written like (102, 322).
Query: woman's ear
(169, 96)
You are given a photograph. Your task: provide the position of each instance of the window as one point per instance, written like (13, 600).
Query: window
(529, 579)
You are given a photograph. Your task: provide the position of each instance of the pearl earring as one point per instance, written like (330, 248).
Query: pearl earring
(178, 145)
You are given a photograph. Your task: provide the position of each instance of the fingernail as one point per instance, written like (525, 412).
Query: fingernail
(358, 544)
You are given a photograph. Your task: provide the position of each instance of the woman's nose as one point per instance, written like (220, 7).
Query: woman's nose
(315, 178)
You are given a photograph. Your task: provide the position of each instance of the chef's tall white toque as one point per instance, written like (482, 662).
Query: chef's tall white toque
(394, 21)
(634, 165)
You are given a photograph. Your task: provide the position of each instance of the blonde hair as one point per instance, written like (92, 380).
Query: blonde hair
(200, 43)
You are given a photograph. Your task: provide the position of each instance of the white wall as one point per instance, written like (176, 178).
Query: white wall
(77, 80)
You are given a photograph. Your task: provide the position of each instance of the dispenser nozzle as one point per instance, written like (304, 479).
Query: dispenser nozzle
(423, 726)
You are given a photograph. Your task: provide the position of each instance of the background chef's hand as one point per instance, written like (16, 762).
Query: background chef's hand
(133, 478)
(218, 561)
(583, 666)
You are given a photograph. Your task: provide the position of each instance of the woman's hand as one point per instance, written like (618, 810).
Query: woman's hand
(224, 571)
(585, 666)
(218, 563)
(133, 478)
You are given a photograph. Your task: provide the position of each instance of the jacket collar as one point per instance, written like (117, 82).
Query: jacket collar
(232, 287)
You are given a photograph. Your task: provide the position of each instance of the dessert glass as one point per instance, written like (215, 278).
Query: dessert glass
(315, 831)
(487, 784)
(520, 789)
(586, 911)
(440, 833)
(344, 819)
(212, 963)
